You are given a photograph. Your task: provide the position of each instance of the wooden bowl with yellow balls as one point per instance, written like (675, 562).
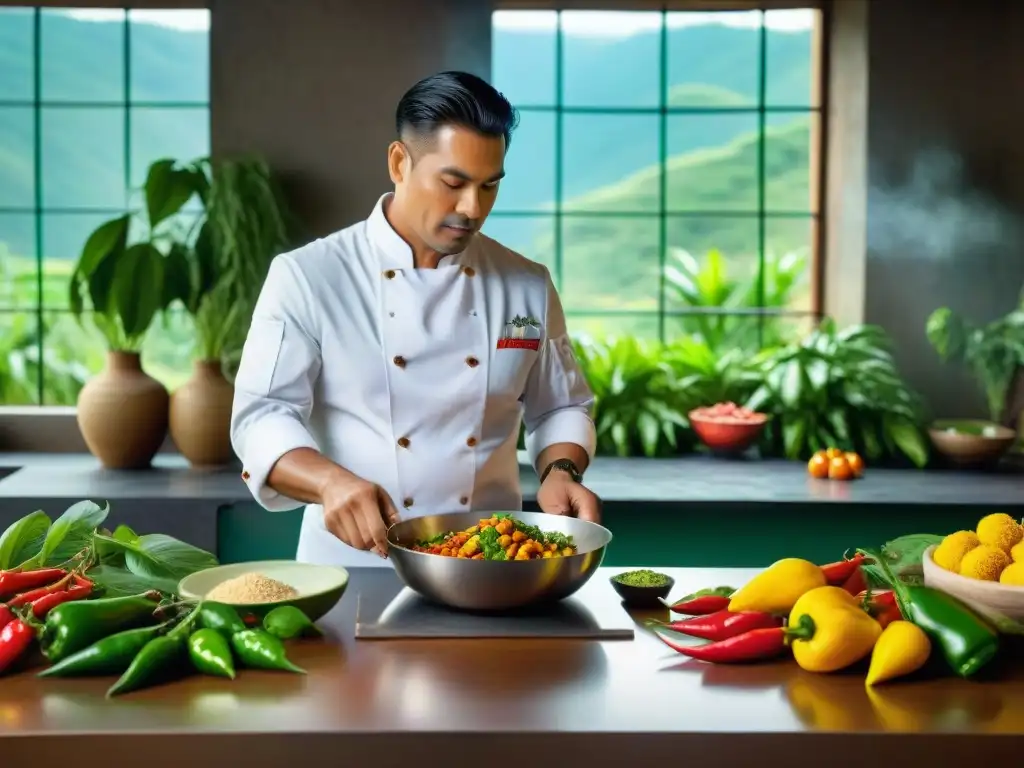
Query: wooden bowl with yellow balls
(983, 568)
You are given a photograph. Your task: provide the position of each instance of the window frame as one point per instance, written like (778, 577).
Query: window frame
(818, 110)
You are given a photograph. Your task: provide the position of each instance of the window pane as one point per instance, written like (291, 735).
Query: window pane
(16, 42)
(82, 55)
(610, 263)
(83, 157)
(73, 354)
(626, 178)
(18, 286)
(529, 183)
(523, 50)
(19, 354)
(170, 55)
(790, 58)
(530, 236)
(788, 153)
(611, 58)
(606, 327)
(713, 58)
(789, 262)
(17, 168)
(732, 282)
(168, 349)
(713, 162)
(181, 133)
(64, 236)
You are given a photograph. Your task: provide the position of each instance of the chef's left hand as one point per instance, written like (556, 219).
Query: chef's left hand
(559, 494)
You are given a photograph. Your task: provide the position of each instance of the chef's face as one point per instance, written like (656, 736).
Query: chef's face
(447, 184)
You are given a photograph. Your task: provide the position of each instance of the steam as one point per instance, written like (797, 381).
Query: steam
(935, 215)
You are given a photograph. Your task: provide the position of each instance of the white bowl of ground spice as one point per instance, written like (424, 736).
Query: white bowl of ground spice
(259, 587)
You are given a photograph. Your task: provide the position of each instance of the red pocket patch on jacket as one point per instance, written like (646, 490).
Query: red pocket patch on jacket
(521, 333)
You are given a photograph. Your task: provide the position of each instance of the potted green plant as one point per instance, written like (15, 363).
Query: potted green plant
(994, 353)
(119, 282)
(216, 272)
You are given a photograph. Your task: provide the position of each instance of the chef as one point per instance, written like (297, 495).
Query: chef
(389, 365)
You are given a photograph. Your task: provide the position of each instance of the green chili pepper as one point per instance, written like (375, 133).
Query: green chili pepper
(109, 656)
(259, 649)
(287, 621)
(967, 641)
(211, 654)
(220, 617)
(70, 627)
(159, 659)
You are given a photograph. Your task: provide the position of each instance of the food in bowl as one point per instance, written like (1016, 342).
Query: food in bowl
(728, 413)
(994, 551)
(499, 537)
(251, 589)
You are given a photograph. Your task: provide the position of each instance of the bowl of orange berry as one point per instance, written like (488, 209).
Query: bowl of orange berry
(836, 464)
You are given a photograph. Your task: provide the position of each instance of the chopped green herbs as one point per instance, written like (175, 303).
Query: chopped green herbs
(642, 578)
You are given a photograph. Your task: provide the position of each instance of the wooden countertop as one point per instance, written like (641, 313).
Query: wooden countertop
(505, 703)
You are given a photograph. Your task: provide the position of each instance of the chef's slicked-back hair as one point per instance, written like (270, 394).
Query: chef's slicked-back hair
(455, 98)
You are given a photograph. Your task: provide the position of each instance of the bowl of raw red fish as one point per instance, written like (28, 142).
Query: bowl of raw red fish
(727, 427)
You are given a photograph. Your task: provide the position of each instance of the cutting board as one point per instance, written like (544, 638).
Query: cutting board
(398, 613)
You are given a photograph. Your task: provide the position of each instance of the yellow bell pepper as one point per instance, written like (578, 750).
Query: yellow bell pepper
(777, 588)
(902, 649)
(828, 634)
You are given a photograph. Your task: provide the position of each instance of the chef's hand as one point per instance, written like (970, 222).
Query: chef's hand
(359, 513)
(559, 494)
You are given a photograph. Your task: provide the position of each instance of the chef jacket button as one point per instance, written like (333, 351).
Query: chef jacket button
(472, 362)
(403, 442)
(469, 271)
(464, 500)
(390, 274)
(399, 361)
(407, 503)
(471, 441)
(245, 476)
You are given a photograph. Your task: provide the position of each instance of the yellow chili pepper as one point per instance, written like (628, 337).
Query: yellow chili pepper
(827, 634)
(902, 649)
(777, 588)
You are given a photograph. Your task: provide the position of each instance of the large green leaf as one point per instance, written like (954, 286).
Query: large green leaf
(109, 237)
(908, 438)
(158, 555)
(168, 188)
(178, 279)
(72, 532)
(23, 539)
(117, 581)
(138, 288)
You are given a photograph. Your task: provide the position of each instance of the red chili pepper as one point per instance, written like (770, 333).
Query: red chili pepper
(856, 583)
(6, 616)
(755, 645)
(46, 603)
(81, 581)
(722, 625)
(32, 595)
(837, 573)
(15, 581)
(15, 638)
(703, 602)
(882, 605)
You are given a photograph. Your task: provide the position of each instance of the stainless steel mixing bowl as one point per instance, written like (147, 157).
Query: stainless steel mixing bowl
(488, 585)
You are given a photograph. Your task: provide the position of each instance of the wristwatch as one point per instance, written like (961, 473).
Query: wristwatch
(565, 465)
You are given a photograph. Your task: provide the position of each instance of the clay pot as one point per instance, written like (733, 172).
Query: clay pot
(122, 413)
(200, 417)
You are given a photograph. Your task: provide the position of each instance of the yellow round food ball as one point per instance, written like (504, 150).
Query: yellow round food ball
(952, 549)
(984, 562)
(1017, 552)
(1000, 530)
(1013, 575)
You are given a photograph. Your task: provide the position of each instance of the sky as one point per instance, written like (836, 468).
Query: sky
(581, 23)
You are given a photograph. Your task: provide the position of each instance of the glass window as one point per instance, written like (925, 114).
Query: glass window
(116, 91)
(666, 167)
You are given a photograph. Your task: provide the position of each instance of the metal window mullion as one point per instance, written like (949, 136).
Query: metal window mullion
(37, 172)
(559, 148)
(663, 172)
(762, 86)
(127, 110)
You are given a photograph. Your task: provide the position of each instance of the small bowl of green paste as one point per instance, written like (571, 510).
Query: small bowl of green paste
(642, 588)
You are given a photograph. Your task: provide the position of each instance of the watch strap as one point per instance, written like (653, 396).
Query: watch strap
(565, 465)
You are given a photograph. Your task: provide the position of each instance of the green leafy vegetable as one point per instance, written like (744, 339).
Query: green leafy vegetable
(903, 556)
(116, 582)
(489, 544)
(23, 539)
(155, 555)
(71, 533)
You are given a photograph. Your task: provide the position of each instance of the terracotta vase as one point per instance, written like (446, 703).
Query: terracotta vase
(200, 416)
(122, 413)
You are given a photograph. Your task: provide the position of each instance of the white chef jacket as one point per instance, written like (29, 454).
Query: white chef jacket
(415, 379)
